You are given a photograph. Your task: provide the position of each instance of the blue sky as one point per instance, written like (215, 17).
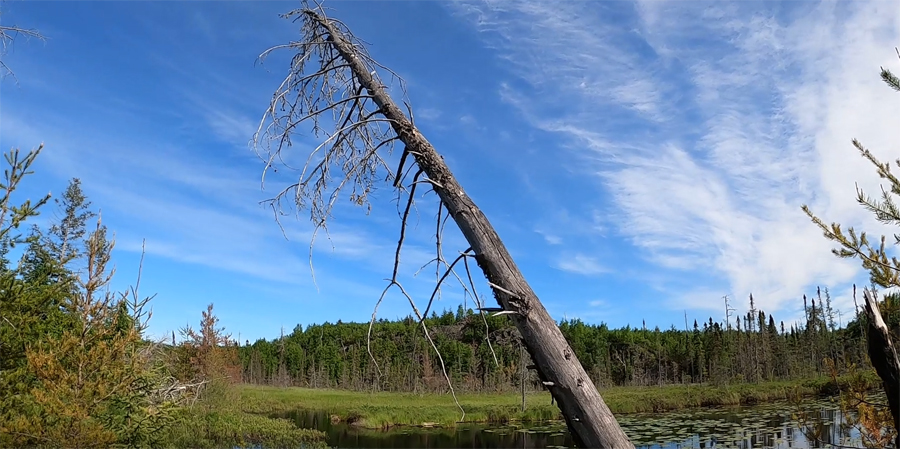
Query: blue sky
(639, 159)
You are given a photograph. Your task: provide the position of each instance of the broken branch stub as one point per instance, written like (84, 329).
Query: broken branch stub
(589, 419)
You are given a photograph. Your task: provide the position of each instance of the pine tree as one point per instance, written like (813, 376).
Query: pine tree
(884, 271)
(29, 304)
(62, 243)
(75, 367)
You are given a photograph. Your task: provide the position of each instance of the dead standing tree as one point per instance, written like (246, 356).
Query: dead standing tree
(333, 77)
(883, 356)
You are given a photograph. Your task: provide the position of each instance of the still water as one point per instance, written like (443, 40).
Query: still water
(769, 426)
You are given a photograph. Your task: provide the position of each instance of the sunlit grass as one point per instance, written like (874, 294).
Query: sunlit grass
(220, 420)
(387, 409)
(196, 428)
(381, 410)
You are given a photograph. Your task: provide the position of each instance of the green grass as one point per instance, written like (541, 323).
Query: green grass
(219, 419)
(675, 397)
(198, 428)
(383, 410)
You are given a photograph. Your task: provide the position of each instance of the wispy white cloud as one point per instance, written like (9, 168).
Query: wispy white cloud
(429, 114)
(710, 124)
(231, 127)
(374, 250)
(189, 209)
(582, 264)
(549, 237)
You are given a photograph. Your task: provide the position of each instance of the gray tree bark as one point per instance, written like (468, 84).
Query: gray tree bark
(884, 359)
(589, 419)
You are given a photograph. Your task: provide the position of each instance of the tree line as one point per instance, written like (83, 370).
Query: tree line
(485, 354)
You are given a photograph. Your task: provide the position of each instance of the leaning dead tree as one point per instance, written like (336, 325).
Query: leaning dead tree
(334, 88)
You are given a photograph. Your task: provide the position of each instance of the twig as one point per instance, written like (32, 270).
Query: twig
(440, 281)
(444, 371)
(481, 312)
(497, 287)
(8, 35)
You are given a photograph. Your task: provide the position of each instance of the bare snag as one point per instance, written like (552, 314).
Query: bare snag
(333, 87)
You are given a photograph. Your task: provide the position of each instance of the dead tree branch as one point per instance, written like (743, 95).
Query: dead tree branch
(394, 282)
(8, 35)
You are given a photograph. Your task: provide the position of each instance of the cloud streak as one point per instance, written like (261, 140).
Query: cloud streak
(581, 264)
(709, 125)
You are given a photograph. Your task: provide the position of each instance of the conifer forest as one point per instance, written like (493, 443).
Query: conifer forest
(483, 353)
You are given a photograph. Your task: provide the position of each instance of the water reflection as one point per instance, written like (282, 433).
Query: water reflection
(769, 426)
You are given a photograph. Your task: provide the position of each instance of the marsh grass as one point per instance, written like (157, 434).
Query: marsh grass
(220, 420)
(197, 428)
(384, 410)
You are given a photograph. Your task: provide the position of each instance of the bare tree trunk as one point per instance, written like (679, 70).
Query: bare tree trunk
(589, 419)
(884, 358)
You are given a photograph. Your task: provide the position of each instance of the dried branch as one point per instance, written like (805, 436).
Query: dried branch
(319, 95)
(444, 372)
(438, 260)
(478, 303)
(177, 392)
(8, 35)
(135, 305)
(437, 287)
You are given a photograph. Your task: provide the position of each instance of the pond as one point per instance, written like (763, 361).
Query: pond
(768, 426)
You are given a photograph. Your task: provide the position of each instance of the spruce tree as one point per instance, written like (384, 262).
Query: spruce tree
(884, 271)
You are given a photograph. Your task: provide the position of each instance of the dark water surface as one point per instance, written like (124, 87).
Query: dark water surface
(769, 426)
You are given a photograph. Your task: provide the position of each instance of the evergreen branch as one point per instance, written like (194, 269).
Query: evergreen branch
(889, 78)
(853, 247)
